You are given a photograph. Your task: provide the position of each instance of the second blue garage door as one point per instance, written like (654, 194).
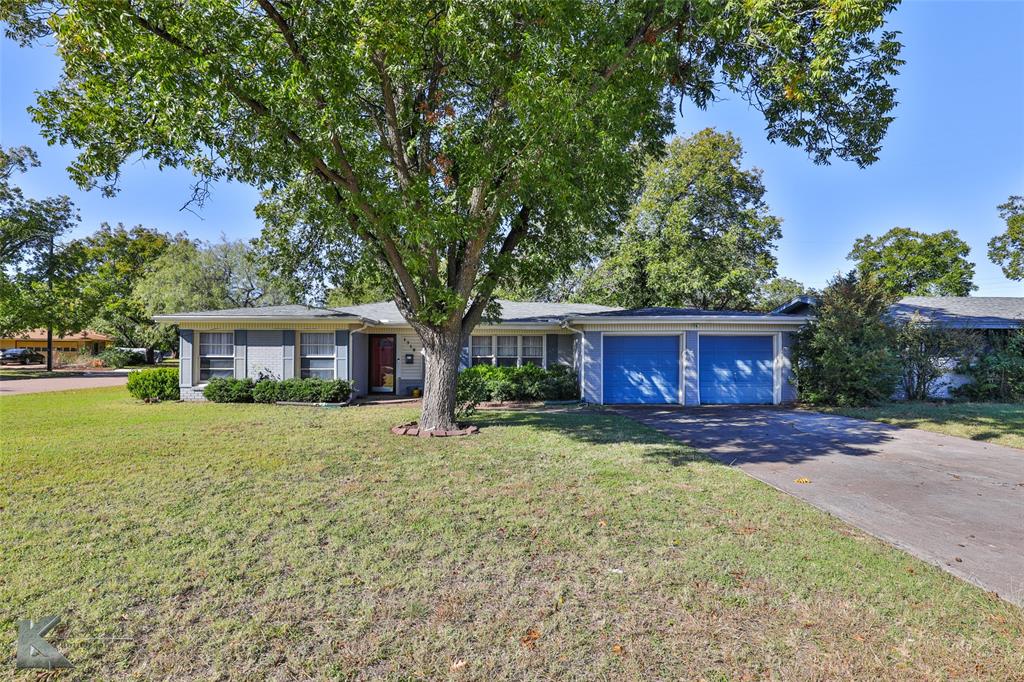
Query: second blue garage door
(736, 370)
(641, 369)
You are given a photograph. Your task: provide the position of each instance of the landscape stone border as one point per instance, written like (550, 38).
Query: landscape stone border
(413, 429)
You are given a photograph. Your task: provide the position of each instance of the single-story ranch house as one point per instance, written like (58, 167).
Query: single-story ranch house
(648, 355)
(676, 356)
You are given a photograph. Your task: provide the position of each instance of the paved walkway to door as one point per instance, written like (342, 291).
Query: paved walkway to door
(953, 502)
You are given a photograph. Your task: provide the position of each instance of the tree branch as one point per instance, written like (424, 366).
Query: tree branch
(485, 287)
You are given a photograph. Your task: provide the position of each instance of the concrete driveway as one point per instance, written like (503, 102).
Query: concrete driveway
(956, 503)
(95, 380)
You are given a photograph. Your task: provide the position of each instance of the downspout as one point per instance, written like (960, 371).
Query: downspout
(580, 373)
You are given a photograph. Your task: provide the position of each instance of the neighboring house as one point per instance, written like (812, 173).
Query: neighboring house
(992, 315)
(648, 355)
(88, 340)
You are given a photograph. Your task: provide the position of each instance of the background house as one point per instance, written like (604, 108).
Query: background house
(87, 340)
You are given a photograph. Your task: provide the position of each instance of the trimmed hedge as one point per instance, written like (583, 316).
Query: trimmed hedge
(229, 390)
(154, 385)
(271, 391)
(526, 383)
(311, 390)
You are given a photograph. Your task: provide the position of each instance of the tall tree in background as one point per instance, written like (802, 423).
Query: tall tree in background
(1007, 250)
(780, 291)
(116, 259)
(700, 234)
(459, 143)
(910, 263)
(192, 275)
(37, 272)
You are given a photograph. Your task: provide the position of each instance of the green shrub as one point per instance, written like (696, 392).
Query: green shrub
(470, 390)
(266, 391)
(997, 374)
(154, 385)
(302, 391)
(118, 358)
(229, 390)
(526, 383)
(845, 355)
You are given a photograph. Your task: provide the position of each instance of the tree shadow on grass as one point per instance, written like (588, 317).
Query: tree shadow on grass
(595, 428)
(733, 435)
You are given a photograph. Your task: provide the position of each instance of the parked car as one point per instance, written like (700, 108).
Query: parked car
(22, 356)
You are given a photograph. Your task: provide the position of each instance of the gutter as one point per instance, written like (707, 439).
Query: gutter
(684, 319)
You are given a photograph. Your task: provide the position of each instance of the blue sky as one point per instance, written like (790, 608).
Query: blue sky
(955, 151)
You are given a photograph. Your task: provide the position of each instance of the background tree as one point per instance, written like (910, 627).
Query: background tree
(191, 275)
(926, 351)
(910, 263)
(38, 272)
(700, 234)
(456, 143)
(779, 291)
(1007, 250)
(116, 259)
(844, 356)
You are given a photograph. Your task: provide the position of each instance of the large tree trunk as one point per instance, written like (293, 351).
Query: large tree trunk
(441, 370)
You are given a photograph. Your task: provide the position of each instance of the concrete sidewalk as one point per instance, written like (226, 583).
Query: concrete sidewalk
(956, 503)
(68, 383)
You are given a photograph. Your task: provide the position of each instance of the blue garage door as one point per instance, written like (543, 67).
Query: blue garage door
(735, 370)
(641, 369)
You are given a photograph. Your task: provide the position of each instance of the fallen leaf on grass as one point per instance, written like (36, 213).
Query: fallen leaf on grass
(617, 649)
(802, 479)
(529, 640)
(602, 523)
(458, 665)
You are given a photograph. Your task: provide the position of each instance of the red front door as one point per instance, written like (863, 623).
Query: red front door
(382, 363)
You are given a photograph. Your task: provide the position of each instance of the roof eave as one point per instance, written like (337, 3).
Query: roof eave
(677, 319)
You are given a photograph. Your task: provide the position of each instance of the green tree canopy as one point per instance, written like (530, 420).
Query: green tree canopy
(38, 271)
(910, 263)
(116, 259)
(700, 234)
(779, 291)
(191, 275)
(1007, 250)
(455, 143)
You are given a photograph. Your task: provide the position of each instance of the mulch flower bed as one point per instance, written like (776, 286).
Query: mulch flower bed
(413, 429)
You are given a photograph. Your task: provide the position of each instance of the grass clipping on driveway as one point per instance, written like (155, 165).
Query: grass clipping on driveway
(264, 542)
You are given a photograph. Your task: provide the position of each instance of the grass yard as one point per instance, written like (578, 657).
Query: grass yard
(1001, 423)
(185, 541)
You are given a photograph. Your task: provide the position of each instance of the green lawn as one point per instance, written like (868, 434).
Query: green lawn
(993, 422)
(185, 541)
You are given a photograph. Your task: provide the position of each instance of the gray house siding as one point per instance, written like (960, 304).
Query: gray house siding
(565, 354)
(341, 354)
(265, 354)
(691, 390)
(464, 359)
(551, 342)
(592, 375)
(186, 343)
(789, 389)
(360, 350)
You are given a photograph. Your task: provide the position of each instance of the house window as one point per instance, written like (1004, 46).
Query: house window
(508, 351)
(316, 351)
(533, 350)
(216, 356)
(481, 351)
